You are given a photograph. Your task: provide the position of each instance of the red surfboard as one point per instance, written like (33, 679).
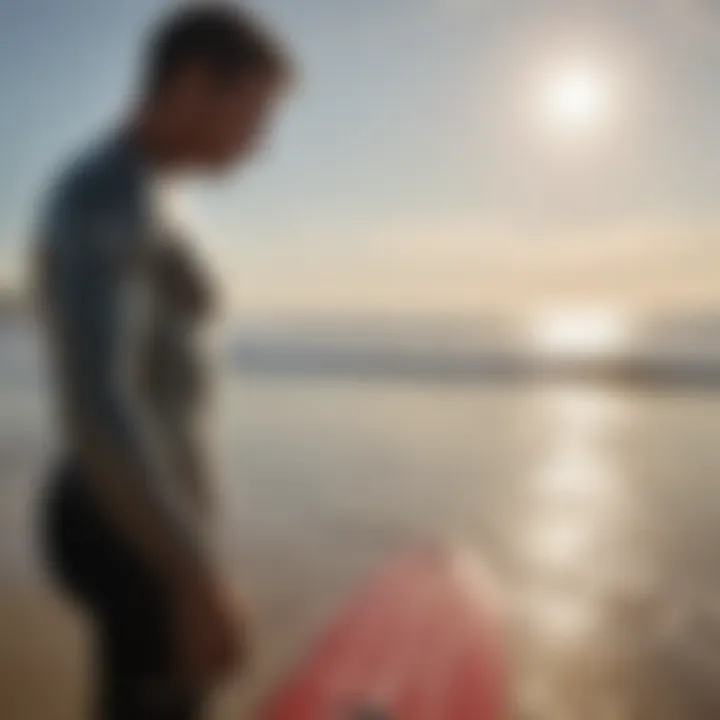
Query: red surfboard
(421, 641)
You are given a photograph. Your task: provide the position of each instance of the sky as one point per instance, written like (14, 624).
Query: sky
(437, 155)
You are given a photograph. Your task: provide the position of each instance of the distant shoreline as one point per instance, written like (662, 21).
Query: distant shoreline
(673, 354)
(654, 373)
(13, 304)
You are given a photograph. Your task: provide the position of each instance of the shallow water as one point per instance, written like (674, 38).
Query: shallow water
(597, 509)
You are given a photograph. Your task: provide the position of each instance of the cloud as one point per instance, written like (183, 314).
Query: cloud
(461, 267)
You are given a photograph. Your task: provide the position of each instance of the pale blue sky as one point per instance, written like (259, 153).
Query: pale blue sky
(411, 148)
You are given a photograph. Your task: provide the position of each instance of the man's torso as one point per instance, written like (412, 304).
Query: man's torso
(167, 296)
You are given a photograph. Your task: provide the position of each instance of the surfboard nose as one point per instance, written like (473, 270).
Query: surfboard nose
(421, 638)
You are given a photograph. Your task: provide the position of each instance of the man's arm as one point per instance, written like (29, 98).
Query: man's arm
(93, 307)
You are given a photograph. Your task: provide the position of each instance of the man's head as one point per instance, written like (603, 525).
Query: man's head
(212, 78)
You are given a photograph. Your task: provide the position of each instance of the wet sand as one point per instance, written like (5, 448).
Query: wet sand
(598, 512)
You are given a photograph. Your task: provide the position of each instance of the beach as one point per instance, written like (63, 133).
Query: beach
(596, 509)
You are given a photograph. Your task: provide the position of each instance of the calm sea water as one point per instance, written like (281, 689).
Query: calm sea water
(598, 508)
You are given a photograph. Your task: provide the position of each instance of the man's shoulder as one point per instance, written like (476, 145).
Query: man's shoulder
(100, 189)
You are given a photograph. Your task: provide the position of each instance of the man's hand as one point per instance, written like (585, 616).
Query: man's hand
(211, 632)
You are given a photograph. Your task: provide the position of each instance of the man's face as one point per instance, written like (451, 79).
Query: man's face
(231, 119)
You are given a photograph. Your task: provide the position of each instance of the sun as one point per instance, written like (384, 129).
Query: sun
(575, 99)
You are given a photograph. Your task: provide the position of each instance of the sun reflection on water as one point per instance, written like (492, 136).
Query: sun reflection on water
(579, 333)
(577, 489)
(573, 536)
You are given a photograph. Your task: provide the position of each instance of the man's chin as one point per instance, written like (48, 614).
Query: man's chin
(221, 165)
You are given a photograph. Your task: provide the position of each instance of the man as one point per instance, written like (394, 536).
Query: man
(127, 519)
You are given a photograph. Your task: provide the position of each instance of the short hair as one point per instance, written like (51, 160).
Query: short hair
(227, 40)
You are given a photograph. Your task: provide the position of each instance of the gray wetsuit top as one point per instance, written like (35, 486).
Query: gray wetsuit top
(122, 301)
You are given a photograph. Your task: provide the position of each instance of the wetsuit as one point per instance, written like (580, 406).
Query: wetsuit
(122, 301)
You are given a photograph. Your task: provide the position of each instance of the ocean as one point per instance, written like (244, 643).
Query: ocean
(592, 498)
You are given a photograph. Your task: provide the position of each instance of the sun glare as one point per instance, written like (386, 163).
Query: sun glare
(575, 99)
(583, 333)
